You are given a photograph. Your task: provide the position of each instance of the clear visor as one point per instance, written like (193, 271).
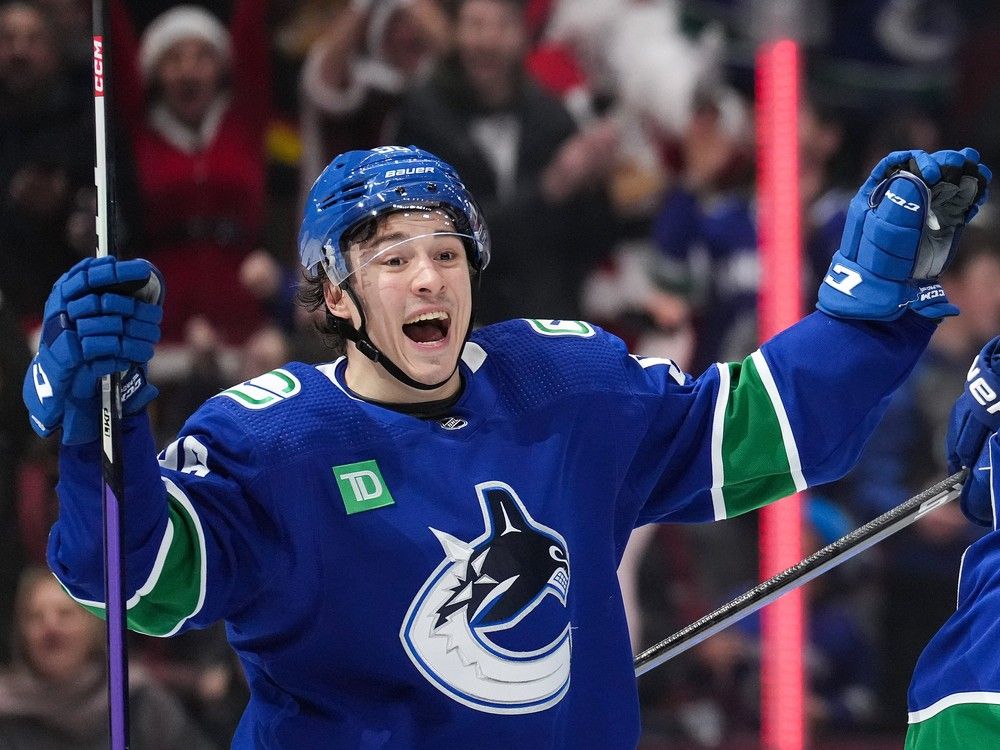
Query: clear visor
(339, 268)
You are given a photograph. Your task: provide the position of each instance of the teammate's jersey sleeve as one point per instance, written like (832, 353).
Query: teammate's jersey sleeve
(954, 695)
(194, 524)
(795, 413)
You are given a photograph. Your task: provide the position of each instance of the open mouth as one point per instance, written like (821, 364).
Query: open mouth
(428, 327)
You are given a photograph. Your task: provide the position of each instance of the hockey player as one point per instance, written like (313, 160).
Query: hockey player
(954, 696)
(414, 546)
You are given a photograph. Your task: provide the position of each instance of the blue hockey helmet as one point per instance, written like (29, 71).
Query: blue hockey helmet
(361, 185)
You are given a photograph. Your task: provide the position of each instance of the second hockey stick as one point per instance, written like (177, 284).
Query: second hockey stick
(802, 572)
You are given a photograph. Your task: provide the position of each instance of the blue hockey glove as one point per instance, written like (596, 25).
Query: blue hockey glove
(977, 495)
(102, 316)
(976, 416)
(902, 231)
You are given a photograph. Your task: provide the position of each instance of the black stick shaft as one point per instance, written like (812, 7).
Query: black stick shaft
(802, 572)
(111, 429)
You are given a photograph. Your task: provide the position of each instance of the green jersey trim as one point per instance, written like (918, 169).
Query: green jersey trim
(787, 438)
(957, 721)
(175, 589)
(751, 435)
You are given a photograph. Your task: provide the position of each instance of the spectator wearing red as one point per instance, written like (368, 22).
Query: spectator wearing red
(195, 98)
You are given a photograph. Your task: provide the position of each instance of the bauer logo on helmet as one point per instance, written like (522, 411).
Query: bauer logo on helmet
(409, 171)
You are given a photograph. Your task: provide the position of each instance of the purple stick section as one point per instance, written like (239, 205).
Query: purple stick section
(113, 583)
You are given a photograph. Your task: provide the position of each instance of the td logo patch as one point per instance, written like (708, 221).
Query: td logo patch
(362, 487)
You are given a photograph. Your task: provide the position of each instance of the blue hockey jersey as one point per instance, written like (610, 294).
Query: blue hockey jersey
(396, 582)
(954, 696)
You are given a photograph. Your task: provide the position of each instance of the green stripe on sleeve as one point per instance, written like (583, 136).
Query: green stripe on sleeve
(758, 466)
(958, 727)
(175, 589)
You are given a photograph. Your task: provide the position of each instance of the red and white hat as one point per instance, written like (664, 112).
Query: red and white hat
(180, 22)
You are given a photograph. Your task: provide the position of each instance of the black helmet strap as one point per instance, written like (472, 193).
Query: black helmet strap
(367, 347)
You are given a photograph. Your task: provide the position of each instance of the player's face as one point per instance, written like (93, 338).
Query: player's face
(416, 291)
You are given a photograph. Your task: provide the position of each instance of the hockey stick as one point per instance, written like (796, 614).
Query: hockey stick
(111, 430)
(802, 572)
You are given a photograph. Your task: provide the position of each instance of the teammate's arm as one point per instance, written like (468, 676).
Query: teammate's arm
(975, 417)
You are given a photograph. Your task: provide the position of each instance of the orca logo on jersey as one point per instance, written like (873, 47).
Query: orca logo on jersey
(484, 629)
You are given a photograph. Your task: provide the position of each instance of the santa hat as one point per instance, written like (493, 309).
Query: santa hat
(180, 22)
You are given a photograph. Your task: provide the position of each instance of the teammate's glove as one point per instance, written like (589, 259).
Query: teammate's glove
(902, 230)
(102, 316)
(976, 416)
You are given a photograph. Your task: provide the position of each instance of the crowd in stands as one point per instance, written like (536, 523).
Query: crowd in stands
(611, 145)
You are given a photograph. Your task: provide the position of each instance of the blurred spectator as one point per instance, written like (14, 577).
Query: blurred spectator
(195, 98)
(273, 285)
(712, 692)
(886, 53)
(540, 183)
(14, 356)
(633, 294)
(71, 21)
(203, 672)
(706, 231)
(905, 455)
(55, 697)
(357, 73)
(709, 695)
(637, 54)
(840, 661)
(976, 102)
(266, 350)
(201, 373)
(37, 504)
(46, 156)
(865, 55)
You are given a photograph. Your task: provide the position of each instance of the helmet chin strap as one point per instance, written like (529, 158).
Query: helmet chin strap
(367, 347)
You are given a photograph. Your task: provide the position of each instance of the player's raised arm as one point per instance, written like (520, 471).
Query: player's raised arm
(799, 411)
(101, 317)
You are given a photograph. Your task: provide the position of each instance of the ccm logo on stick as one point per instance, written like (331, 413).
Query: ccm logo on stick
(981, 390)
(98, 65)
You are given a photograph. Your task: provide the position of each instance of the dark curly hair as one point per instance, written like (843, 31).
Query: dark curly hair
(311, 294)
